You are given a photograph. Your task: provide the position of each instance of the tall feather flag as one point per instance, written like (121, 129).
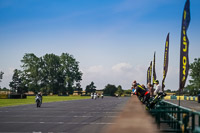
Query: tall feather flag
(184, 59)
(154, 67)
(150, 72)
(166, 60)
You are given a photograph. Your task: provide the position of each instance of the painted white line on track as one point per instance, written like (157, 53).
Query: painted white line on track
(68, 112)
(102, 112)
(76, 116)
(67, 123)
(34, 132)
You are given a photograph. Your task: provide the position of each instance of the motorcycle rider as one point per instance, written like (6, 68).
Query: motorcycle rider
(92, 95)
(150, 89)
(133, 87)
(102, 95)
(95, 95)
(141, 92)
(40, 96)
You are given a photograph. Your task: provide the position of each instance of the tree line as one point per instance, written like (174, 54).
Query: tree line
(60, 74)
(47, 74)
(109, 89)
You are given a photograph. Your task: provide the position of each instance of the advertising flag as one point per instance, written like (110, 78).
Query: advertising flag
(150, 72)
(154, 67)
(166, 60)
(184, 59)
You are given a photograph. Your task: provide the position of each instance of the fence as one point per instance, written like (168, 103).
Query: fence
(191, 98)
(178, 118)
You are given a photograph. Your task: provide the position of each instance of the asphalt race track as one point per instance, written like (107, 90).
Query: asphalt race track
(194, 105)
(77, 116)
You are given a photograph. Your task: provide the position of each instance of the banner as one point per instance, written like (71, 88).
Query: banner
(166, 60)
(154, 67)
(150, 73)
(184, 59)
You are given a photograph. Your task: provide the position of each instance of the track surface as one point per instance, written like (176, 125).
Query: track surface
(194, 105)
(78, 116)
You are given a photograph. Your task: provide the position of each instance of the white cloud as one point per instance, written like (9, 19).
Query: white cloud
(94, 69)
(119, 74)
(124, 73)
(122, 67)
(7, 77)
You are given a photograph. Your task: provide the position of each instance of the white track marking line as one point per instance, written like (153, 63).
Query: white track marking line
(76, 116)
(68, 123)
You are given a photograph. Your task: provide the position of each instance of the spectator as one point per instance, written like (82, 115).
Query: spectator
(158, 89)
(150, 88)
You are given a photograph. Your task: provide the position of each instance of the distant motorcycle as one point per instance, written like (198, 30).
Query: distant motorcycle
(95, 96)
(38, 101)
(92, 96)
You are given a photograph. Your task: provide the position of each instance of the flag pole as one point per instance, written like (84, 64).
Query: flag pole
(179, 101)
(184, 59)
(166, 60)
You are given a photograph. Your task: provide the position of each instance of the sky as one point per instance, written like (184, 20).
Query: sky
(114, 40)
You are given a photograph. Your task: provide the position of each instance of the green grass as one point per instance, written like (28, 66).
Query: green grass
(31, 100)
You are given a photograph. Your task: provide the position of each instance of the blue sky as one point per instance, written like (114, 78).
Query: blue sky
(114, 40)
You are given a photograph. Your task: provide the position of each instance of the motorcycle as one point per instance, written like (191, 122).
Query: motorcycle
(38, 101)
(92, 96)
(95, 96)
(153, 101)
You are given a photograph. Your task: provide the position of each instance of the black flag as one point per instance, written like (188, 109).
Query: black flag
(166, 60)
(150, 72)
(184, 59)
(154, 67)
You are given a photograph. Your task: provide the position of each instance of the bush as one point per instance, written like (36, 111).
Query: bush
(17, 96)
(63, 95)
(86, 95)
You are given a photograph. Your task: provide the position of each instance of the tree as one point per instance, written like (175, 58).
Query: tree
(119, 90)
(31, 68)
(110, 90)
(18, 82)
(70, 70)
(194, 85)
(90, 88)
(51, 73)
(78, 87)
(4, 89)
(1, 75)
(127, 91)
(168, 90)
(191, 90)
(195, 73)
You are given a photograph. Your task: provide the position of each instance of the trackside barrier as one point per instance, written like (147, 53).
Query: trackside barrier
(178, 118)
(191, 98)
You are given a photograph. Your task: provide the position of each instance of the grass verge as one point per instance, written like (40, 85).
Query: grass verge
(31, 100)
